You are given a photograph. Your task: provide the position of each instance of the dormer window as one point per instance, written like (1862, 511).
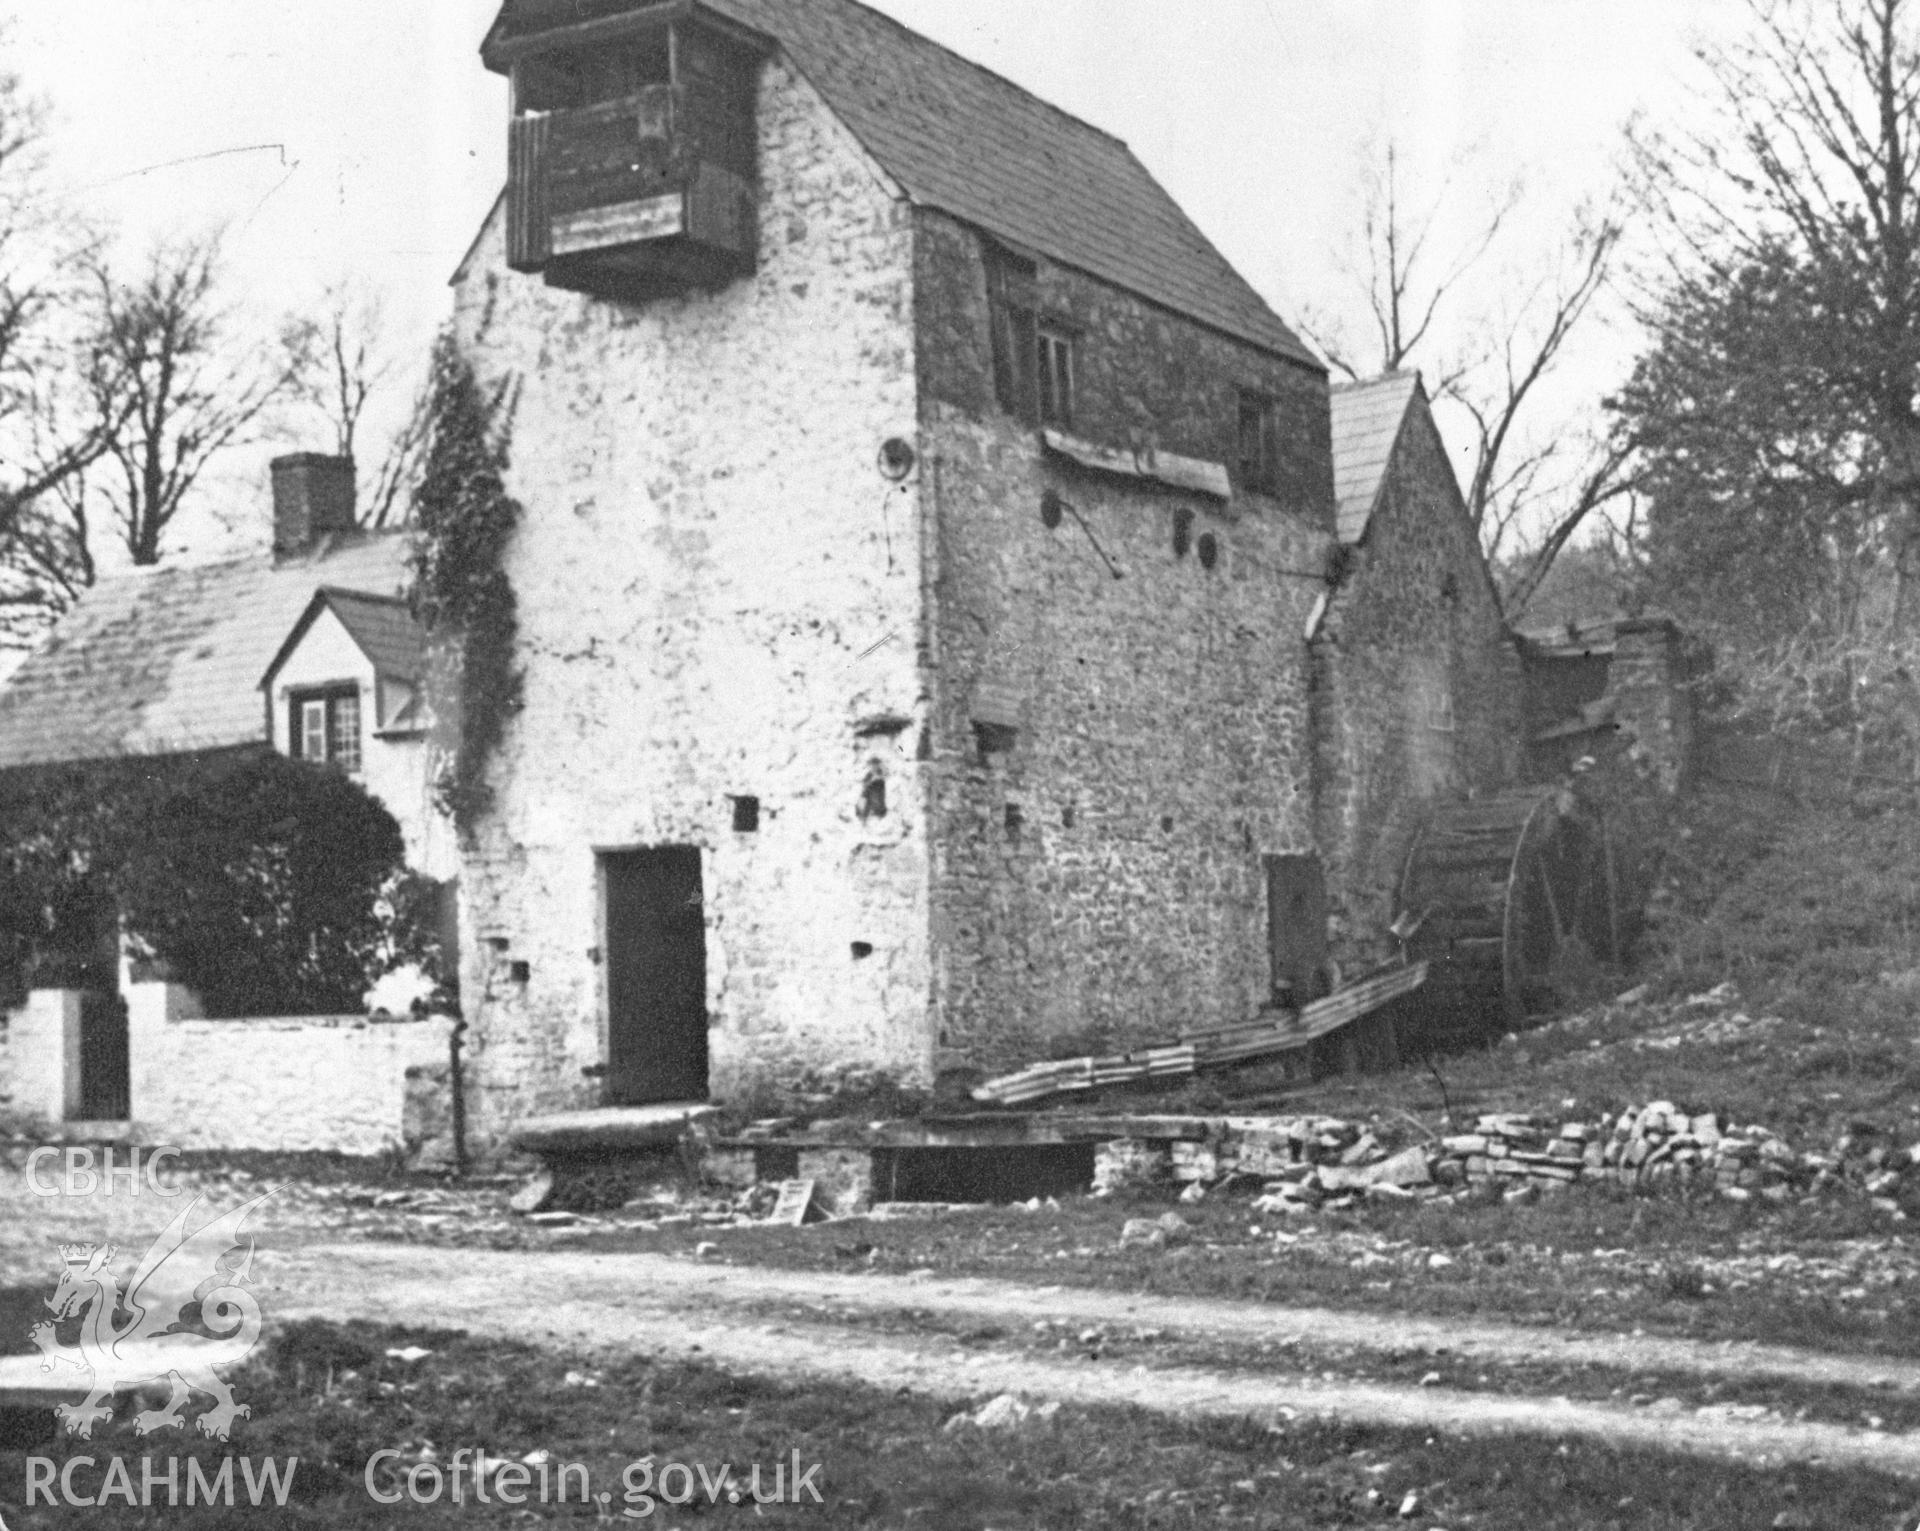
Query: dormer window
(316, 689)
(1055, 371)
(324, 726)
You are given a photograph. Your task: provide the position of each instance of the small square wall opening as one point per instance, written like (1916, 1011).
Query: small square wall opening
(520, 972)
(994, 738)
(746, 815)
(862, 950)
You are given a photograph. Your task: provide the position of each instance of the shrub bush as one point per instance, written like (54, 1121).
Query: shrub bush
(256, 880)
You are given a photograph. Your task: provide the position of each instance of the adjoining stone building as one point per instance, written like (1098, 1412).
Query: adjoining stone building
(1418, 681)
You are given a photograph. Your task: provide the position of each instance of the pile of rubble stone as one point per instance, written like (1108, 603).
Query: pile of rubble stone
(1311, 1162)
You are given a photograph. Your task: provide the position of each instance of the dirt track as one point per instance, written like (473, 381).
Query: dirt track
(675, 1308)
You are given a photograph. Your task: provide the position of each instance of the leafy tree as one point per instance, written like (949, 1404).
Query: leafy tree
(1775, 409)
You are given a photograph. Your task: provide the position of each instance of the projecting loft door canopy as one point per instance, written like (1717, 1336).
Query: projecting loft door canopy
(1194, 473)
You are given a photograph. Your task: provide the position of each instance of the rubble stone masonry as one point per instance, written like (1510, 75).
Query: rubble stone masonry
(718, 590)
(1097, 871)
(1417, 690)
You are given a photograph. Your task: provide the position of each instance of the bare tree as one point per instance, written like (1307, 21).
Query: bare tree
(340, 362)
(1403, 283)
(1528, 494)
(48, 436)
(389, 498)
(164, 362)
(337, 360)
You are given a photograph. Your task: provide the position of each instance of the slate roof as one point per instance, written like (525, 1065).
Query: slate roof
(167, 660)
(382, 626)
(1367, 417)
(960, 138)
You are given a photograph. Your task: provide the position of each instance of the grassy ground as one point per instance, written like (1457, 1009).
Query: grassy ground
(1813, 915)
(1822, 1274)
(332, 1396)
(1874, 1407)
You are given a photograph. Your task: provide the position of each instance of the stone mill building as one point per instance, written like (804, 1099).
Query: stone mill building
(923, 528)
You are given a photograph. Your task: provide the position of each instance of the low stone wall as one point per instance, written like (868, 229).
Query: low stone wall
(337, 1083)
(40, 1057)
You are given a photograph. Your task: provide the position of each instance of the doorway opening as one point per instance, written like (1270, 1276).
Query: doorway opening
(656, 954)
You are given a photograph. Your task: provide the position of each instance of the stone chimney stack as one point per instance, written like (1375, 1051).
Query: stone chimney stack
(312, 496)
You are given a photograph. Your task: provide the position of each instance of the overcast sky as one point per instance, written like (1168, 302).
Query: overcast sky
(362, 138)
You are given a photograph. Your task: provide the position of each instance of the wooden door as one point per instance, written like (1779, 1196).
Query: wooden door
(1297, 928)
(656, 952)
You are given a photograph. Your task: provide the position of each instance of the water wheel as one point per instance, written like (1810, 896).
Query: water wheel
(1507, 891)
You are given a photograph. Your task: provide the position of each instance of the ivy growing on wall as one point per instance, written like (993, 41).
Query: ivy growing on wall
(463, 519)
(257, 881)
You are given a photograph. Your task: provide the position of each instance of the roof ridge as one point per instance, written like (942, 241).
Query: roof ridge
(353, 594)
(155, 570)
(355, 537)
(994, 74)
(1397, 374)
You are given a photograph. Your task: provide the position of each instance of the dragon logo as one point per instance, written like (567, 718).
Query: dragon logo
(173, 1321)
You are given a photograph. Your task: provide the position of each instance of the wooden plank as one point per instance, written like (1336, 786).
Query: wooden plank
(529, 240)
(1196, 474)
(796, 1204)
(1317, 1020)
(598, 228)
(1105, 1128)
(646, 18)
(720, 210)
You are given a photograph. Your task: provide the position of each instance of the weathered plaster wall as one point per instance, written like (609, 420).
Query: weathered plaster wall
(319, 1083)
(394, 769)
(1418, 690)
(717, 588)
(1102, 880)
